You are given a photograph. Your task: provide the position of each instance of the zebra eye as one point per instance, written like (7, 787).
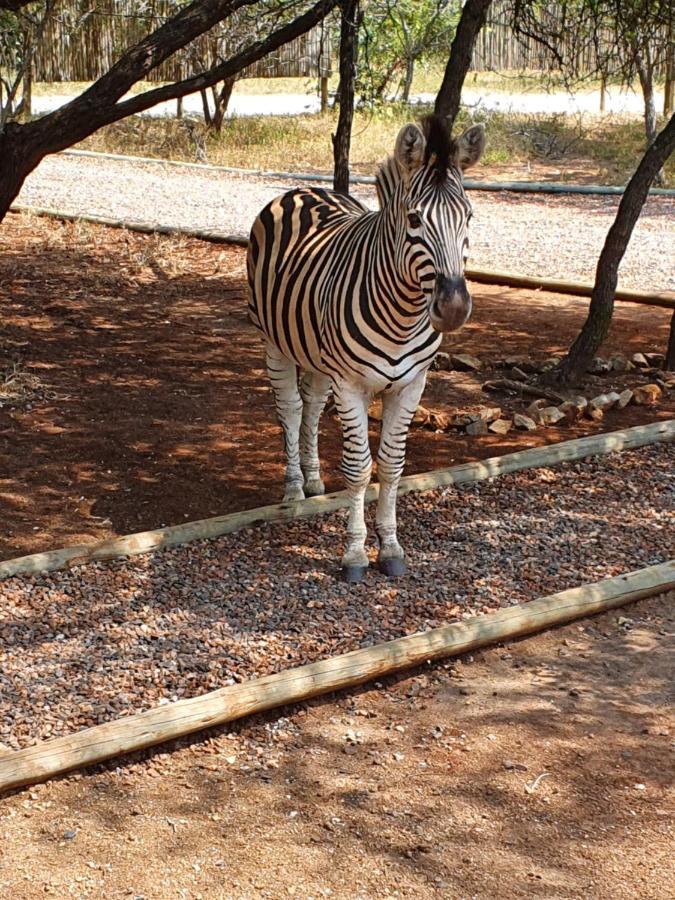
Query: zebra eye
(414, 220)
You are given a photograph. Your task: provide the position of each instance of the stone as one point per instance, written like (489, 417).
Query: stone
(551, 415)
(442, 362)
(422, 416)
(647, 395)
(640, 360)
(619, 363)
(624, 398)
(571, 410)
(657, 360)
(465, 362)
(479, 427)
(549, 364)
(489, 413)
(461, 420)
(603, 401)
(501, 426)
(440, 421)
(599, 366)
(525, 423)
(534, 410)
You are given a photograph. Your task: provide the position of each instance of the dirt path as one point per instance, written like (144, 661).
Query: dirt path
(151, 405)
(411, 788)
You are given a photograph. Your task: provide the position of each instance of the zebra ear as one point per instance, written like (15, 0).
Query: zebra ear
(409, 150)
(469, 147)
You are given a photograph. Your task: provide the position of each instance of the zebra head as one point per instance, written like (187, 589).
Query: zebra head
(432, 215)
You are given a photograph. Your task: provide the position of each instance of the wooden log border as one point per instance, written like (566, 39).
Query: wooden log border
(664, 299)
(467, 473)
(183, 717)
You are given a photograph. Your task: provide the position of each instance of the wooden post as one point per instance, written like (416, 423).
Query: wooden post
(323, 88)
(603, 92)
(179, 108)
(174, 720)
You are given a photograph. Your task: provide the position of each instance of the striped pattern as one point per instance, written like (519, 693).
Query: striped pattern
(343, 294)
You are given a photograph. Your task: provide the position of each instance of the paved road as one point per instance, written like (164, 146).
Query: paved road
(293, 104)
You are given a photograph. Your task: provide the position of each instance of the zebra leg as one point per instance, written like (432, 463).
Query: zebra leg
(398, 410)
(357, 465)
(283, 375)
(314, 390)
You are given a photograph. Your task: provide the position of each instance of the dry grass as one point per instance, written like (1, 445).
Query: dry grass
(19, 387)
(607, 149)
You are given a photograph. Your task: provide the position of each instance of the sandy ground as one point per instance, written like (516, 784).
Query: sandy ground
(542, 769)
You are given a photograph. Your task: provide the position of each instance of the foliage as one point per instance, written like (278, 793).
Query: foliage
(397, 35)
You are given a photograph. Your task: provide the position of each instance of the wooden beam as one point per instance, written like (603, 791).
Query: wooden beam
(148, 541)
(174, 720)
(665, 299)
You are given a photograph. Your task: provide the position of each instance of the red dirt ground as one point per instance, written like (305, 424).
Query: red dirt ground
(415, 787)
(154, 407)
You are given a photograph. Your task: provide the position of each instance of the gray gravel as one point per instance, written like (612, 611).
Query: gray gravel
(549, 236)
(87, 645)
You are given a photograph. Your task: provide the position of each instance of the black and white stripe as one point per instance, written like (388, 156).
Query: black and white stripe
(356, 301)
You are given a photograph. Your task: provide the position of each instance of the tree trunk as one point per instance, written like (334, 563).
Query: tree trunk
(206, 109)
(349, 26)
(647, 85)
(470, 23)
(670, 76)
(599, 318)
(19, 158)
(603, 93)
(670, 353)
(646, 73)
(222, 102)
(323, 88)
(408, 79)
(179, 108)
(24, 110)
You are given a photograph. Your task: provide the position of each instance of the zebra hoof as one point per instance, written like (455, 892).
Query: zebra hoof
(314, 488)
(393, 566)
(353, 574)
(293, 494)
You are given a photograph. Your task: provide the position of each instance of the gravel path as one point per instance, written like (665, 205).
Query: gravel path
(549, 236)
(93, 643)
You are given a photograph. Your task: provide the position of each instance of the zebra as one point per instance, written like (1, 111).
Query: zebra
(355, 302)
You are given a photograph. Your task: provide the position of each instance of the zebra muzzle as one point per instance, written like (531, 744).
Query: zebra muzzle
(450, 305)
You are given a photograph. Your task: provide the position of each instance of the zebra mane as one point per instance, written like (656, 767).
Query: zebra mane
(440, 149)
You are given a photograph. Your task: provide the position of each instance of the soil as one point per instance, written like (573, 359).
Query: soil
(147, 402)
(541, 769)
(538, 770)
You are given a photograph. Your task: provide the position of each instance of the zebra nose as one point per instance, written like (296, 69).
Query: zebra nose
(451, 304)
